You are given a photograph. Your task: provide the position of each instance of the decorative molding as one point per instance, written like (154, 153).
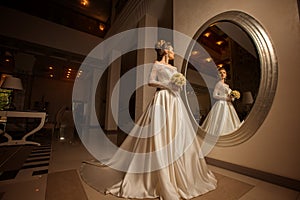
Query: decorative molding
(261, 175)
(268, 79)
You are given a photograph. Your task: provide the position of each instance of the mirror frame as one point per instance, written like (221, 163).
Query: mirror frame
(268, 80)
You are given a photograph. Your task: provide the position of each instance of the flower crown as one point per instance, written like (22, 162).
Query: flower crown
(162, 44)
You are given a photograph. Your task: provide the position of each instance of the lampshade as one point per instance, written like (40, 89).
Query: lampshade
(11, 82)
(247, 98)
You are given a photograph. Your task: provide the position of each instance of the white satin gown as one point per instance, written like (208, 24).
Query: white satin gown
(180, 172)
(222, 118)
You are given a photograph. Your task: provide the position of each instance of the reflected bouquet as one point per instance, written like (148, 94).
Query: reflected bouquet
(178, 79)
(235, 94)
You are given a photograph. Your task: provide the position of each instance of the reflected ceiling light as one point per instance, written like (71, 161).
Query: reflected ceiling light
(79, 73)
(219, 42)
(84, 3)
(208, 59)
(207, 34)
(220, 65)
(195, 52)
(8, 57)
(101, 27)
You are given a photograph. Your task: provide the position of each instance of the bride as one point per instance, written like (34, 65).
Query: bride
(176, 168)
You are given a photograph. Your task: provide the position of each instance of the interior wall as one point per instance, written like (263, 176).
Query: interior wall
(275, 145)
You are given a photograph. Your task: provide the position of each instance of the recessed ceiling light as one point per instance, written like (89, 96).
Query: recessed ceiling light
(219, 42)
(207, 34)
(195, 52)
(208, 59)
(84, 3)
(101, 27)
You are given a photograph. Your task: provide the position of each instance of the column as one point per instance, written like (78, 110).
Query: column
(145, 94)
(112, 78)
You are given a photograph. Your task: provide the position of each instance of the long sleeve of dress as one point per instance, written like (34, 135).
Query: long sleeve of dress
(160, 77)
(153, 77)
(220, 93)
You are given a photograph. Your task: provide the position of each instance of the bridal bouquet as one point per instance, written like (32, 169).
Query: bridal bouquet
(178, 79)
(235, 94)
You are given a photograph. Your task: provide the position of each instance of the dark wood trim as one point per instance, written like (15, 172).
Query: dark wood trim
(265, 176)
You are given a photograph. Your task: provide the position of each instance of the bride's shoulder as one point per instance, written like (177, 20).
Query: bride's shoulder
(220, 84)
(164, 64)
(159, 63)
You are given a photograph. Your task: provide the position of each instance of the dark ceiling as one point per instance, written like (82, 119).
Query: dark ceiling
(50, 62)
(82, 15)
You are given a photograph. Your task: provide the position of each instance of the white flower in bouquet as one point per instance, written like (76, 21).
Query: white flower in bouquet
(235, 94)
(178, 79)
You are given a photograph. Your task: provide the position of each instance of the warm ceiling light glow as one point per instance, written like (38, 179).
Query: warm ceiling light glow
(70, 69)
(51, 75)
(195, 52)
(220, 65)
(101, 27)
(219, 42)
(208, 59)
(207, 34)
(50, 67)
(84, 2)
(7, 60)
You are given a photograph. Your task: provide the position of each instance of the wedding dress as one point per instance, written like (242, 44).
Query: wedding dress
(222, 118)
(180, 172)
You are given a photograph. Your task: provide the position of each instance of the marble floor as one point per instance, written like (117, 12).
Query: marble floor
(69, 155)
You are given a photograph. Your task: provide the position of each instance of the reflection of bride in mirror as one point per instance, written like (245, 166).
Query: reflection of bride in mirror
(222, 118)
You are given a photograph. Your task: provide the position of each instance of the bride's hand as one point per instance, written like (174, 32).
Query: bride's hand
(229, 98)
(174, 88)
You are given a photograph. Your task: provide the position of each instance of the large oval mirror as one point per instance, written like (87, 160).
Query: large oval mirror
(235, 44)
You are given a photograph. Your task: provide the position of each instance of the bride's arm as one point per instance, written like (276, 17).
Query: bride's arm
(220, 95)
(153, 82)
